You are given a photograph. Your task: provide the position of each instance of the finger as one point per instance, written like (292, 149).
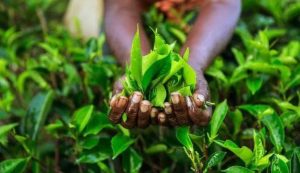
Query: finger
(132, 110)
(118, 106)
(198, 116)
(194, 112)
(162, 119)
(144, 114)
(180, 109)
(169, 114)
(199, 99)
(154, 116)
(201, 93)
(206, 116)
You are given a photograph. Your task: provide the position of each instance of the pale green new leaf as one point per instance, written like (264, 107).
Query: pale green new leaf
(217, 119)
(182, 135)
(81, 117)
(136, 59)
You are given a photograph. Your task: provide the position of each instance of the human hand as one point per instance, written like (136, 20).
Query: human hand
(137, 110)
(188, 110)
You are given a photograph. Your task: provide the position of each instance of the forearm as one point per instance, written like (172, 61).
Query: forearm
(212, 31)
(121, 19)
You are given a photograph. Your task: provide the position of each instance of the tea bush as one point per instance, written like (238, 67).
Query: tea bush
(54, 90)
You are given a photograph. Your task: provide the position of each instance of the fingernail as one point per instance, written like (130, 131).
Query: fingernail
(201, 97)
(162, 117)
(122, 101)
(154, 112)
(168, 108)
(137, 97)
(145, 105)
(113, 101)
(188, 101)
(175, 98)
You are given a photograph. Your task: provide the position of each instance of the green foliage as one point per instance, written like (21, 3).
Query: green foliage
(54, 92)
(158, 73)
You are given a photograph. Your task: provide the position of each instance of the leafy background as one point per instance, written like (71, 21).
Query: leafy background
(54, 90)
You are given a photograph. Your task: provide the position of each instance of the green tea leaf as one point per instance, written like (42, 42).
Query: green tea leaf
(217, 119)
(97, 122)
(237, 169)
(279, 165)
(132, 161)
(14, 165)
(214, 159)
(81, 117)
(182, 135)
(160, 96)
(259, 150)
(254, 84)
(38, 111)
(237, 120)
(120, 143)
(276, 130)
(157, 148)
(189, 75)
(136, 59)
(295, 161)
(186, 55)
(4, 129)
(243, 152)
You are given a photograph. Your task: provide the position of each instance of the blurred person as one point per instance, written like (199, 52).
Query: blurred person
(209, 34)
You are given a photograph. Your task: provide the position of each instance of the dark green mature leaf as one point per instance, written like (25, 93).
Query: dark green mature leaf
(97, 122)
(132, 161)
(279, 164)
(90, 142)
(136, 59)
(243, 152)
(276, 130)
(38, 111)
(81, 117)
(257, 110)
(237, 120)
(295, 161)
(237, 169)
(217, 119)
(214, 159)
(14, 165)
(157, 148)
(92, 158)
(182, 135)
(120, 143)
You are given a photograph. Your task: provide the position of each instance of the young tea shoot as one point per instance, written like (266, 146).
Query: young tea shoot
(159, 73)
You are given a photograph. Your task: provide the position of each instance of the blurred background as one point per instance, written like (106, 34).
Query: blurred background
(56, 76)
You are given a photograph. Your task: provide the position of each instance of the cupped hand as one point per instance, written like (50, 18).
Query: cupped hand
(188, 110)
(138, 111)
(180, 111)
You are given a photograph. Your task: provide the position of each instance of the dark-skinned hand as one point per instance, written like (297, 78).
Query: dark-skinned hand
(180, 111)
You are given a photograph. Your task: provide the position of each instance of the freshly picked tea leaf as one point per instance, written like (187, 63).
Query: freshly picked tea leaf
(158, 73)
